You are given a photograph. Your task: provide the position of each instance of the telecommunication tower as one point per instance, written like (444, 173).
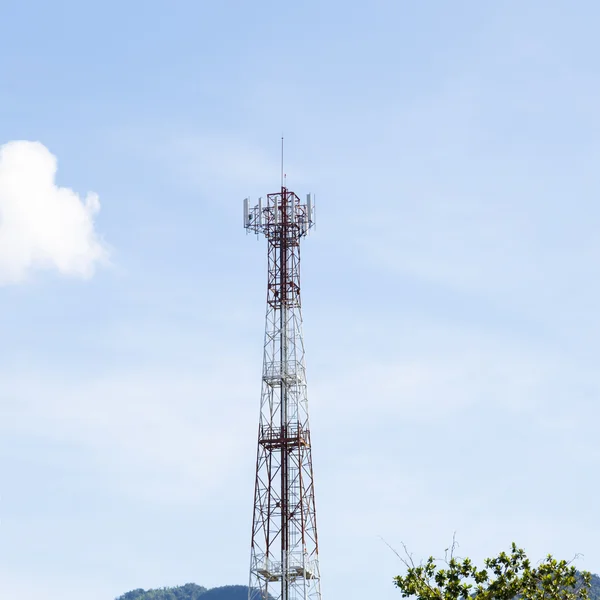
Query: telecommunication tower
(284, 554)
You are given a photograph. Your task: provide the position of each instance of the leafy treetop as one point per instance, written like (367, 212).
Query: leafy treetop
(505, 577)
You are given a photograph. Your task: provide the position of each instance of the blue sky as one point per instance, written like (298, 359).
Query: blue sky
(450, 290)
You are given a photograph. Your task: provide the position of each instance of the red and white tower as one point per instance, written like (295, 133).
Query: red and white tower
(284, 556)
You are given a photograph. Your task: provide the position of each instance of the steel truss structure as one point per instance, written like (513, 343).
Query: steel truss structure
(284, 554)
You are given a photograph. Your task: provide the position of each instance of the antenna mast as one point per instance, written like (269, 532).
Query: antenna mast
(284, 552)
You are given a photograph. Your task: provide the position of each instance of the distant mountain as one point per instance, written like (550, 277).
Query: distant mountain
(189, 591)
(227, 592)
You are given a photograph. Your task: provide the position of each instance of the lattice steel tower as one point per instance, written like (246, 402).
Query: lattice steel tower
(284, 557)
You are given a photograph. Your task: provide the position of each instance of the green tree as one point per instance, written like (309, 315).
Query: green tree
(505, 577)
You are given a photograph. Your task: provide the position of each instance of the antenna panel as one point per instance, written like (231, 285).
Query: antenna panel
(246, 212)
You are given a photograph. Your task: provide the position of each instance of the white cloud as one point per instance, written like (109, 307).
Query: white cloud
(42, 225)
